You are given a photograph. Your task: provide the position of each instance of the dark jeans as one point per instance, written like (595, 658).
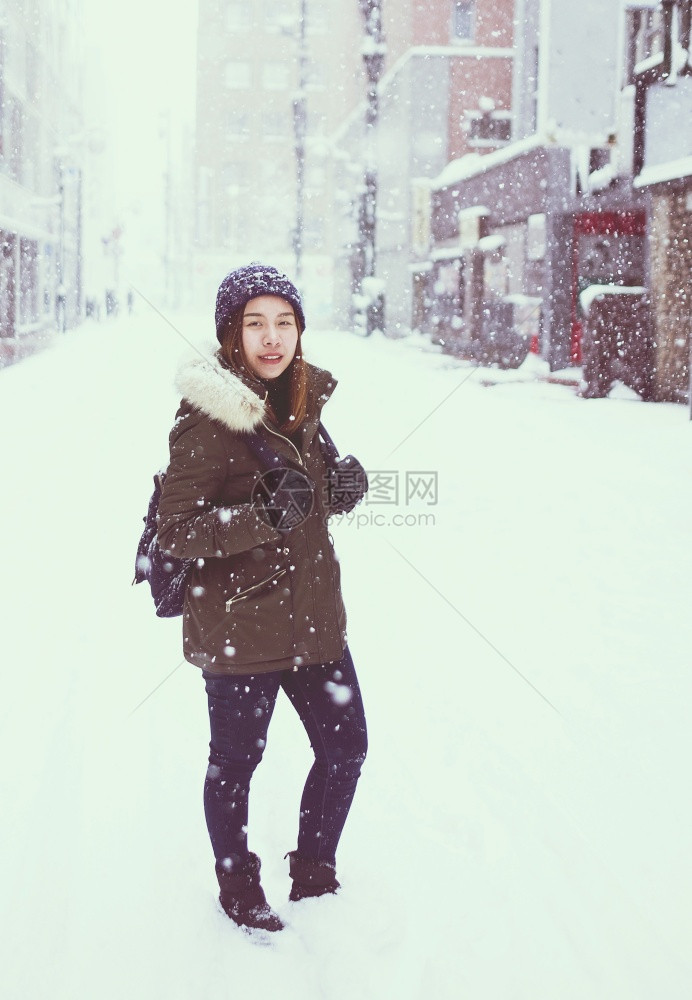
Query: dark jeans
(327, 699)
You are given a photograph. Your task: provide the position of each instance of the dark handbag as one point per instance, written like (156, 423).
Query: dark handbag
(347, 480)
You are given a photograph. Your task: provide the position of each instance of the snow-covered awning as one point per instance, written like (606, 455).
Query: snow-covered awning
(473, 163)
(24, 228)
(593, 292)
(448, 253)
(601, 179)
(528, 301)
(660, 173)
(492, 243)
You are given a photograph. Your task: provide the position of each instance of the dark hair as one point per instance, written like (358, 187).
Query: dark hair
(234, 354)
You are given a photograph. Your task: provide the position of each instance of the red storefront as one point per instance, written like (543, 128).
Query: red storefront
(608, 249)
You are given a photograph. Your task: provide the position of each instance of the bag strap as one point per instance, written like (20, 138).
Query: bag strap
(269, 458)
(332, 450)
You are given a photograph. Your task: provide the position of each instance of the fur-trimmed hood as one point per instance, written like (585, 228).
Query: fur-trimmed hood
(211, 386)
(206, 382)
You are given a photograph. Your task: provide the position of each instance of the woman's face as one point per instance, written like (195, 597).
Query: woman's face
(270, 335)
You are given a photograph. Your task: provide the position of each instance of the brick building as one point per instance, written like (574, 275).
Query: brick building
(445, 91)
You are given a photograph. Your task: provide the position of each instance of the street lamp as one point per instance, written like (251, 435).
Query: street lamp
(373, 52)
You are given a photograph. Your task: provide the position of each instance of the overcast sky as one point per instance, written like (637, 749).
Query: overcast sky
(141, 62)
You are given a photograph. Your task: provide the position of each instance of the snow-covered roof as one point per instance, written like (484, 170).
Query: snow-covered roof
(372, 48)
(489, 244)
(473, 212)
(422, 52)
(602, 178)
(17, 225)
(593, 292)
(517, 299)
(661, 172)
(680, 59)
(486, 244)
(448, 253)
(473, 164)
(640, 4)
(655, 60)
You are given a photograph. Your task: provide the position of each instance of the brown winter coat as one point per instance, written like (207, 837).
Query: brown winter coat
(258, 600)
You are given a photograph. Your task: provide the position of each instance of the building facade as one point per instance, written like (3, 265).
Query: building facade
(519, 235)
(40, 172)
(445, 92)
(662, 79)
(270, 74)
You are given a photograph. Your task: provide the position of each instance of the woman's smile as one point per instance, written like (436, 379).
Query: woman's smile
(270, 335)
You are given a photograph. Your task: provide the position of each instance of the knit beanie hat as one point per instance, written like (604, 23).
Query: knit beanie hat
(246, 283)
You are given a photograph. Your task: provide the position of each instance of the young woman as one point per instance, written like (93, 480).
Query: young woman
(263, 609)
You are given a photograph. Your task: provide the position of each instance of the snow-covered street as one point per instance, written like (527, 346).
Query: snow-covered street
(522, 826)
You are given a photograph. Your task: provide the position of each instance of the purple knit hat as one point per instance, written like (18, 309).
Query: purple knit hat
(246, 283)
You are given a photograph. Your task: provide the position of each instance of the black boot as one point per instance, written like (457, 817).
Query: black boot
(311, 878)
(242, 896)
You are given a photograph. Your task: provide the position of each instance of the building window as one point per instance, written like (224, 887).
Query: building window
(276, 125)
(317, 22)
(314, 76)
(489, 129)
(275, 76)
(238, 76)
(315, 232)
(316, 121)
(464, 20)
(233, 178)
(238, 124)
(238, 17)
(644, 37)
(280, 16)
(316, 177)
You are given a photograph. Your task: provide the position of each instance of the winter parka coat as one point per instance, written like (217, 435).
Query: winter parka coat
(258, 599)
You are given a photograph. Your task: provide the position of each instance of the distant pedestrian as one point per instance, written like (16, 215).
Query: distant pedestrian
(264, 609)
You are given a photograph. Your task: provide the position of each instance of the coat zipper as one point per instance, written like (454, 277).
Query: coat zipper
(242, 594)
(287, 440)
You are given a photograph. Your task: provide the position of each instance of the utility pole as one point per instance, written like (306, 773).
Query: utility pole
(300, 130)
(373, 53)
(61, 291)
(170, 285)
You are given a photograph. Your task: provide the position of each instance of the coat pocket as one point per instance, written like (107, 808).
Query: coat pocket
(255, 589)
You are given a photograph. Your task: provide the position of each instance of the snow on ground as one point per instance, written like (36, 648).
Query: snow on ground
(522, 825)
